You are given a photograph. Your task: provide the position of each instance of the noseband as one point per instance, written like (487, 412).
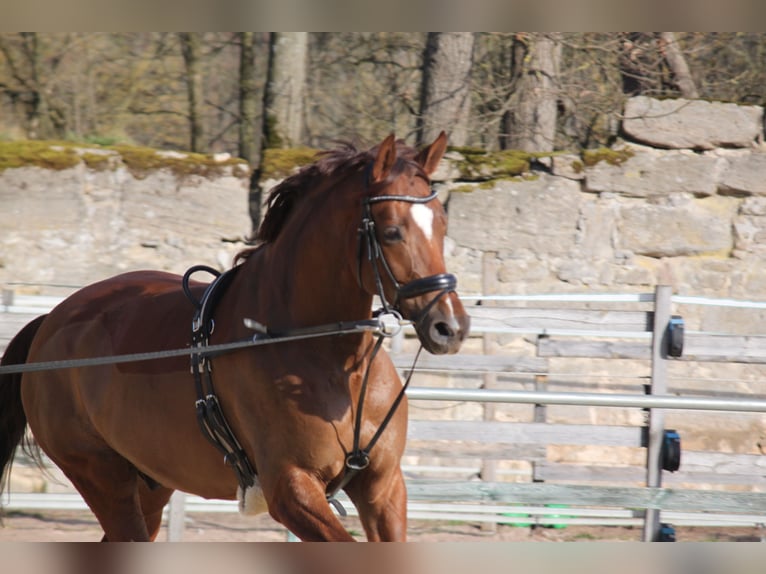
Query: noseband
(442, 282)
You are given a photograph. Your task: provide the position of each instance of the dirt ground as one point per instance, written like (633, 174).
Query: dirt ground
(81, 526)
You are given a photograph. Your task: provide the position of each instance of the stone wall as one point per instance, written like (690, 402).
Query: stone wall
(686, 207)
(77, 225)
(681, 201)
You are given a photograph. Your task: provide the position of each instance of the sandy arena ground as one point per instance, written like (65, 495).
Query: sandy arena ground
(81, 526)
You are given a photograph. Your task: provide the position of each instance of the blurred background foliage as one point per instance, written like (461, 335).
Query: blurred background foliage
(243, 92)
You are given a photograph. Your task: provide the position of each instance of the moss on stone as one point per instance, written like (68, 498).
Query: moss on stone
(591, 157)
(280, 163)
(480, 165)
(97, 161)
(45, 154)
(140, 161)
(467, 188)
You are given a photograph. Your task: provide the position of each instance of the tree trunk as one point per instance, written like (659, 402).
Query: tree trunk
(532, 121)
(249, 148)
(249, 131)
(283, 100)
(190, 48)
(678, 66)
(446, 87)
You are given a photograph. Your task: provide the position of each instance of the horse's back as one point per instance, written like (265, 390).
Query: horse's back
(100, 315)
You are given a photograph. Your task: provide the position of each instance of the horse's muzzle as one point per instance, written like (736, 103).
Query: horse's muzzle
(444, 327)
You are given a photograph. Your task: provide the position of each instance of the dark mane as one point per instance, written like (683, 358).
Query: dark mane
(283, 197)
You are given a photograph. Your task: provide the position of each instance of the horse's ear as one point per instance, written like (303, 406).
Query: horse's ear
(385, 160)
(430, 156)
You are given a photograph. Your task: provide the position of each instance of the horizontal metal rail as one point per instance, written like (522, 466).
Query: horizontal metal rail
(587, 399)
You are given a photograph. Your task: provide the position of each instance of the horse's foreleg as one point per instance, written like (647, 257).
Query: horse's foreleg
(297, 500)
(382, 506)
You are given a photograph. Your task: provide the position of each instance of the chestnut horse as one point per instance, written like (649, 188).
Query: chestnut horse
(353, 225)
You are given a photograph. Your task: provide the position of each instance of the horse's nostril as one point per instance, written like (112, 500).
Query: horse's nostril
(443, 329)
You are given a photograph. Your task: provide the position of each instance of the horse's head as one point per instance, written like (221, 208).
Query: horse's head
(402, 253)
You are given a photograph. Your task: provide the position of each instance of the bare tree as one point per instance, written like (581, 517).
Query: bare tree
(446, 95)
(190, 48)
(136, 87)
(284, 96)
(250, 136)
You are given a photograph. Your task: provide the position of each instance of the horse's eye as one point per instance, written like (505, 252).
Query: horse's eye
(392, 234)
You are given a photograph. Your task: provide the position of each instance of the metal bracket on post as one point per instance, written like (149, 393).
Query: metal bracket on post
(675, 347)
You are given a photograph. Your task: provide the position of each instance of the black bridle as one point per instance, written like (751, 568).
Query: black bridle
(444, 283)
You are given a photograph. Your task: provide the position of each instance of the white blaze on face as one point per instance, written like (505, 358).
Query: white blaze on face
(424, 217)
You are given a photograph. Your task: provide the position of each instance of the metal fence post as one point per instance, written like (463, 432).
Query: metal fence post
(658, 386)
(176, 516)
(7, 299)
(489, 380)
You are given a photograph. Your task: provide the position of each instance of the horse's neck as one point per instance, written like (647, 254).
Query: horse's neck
(286, 295)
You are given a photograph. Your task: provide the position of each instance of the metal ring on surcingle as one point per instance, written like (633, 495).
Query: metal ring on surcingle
(357, 461)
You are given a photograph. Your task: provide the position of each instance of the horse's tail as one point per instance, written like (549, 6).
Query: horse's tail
(13, 420)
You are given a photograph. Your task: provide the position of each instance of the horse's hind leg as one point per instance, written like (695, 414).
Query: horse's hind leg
(110, 486)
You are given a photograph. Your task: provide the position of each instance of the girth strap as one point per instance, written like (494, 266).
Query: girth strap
(210, 416)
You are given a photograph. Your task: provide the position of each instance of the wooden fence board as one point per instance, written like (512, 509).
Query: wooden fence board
(724, 348)
(566, 472)
(587, 495)
(495, 432)
(593, 348)
(586, 333)
(10, 324)
(468, 449)
(472, 363)
(536, 320)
